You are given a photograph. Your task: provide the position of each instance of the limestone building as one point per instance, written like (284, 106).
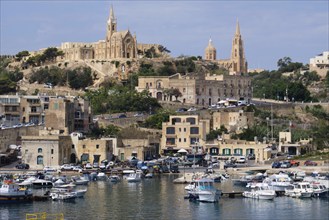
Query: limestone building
(320, 64)
(196, 88)
(233, 121)
(237, 63)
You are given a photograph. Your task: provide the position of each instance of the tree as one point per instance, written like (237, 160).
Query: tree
(172, 92)
(177, 93)
(22, 54)
(283, 62)
(215, 133)
(327, 79)
(80, 78)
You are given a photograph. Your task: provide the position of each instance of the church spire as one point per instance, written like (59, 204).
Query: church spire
(210, 43)
(112, 17)
(237, 30)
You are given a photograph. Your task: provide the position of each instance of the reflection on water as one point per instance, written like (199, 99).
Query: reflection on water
(159, 198)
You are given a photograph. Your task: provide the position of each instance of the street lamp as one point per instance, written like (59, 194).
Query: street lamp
(264, 95)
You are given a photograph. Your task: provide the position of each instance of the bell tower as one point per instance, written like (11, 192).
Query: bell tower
(111, 25)
(239, 64)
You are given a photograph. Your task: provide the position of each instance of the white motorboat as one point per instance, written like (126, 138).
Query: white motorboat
(204, 191)
(300, 190)
(101, 176)
(279, 182)
(134, 177)
(260, 191)
(114, 178)
(59, 182)
(149, 175)
(80, 180)
(11, 192)
(28, 181)
(78, 193)
(63, 196)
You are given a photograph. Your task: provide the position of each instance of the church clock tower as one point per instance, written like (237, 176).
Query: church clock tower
(239, 63)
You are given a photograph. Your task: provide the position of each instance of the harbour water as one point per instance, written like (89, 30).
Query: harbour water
(159, 198)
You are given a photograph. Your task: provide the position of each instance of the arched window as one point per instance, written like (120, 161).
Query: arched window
(39, 150)
(40, 160)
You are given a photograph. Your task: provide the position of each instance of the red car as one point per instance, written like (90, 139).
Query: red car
(310, 163)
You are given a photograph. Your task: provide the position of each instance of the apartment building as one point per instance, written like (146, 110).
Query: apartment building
(184, 132)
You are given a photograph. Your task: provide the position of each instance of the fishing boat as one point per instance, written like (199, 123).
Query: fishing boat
(204, 191)
(40, 183)
(11, 192)
(300, 190)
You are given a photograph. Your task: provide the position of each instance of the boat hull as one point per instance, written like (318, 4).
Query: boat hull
(15, 199)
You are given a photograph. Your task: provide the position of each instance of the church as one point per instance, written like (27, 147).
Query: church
(237, 64)
(116, 45)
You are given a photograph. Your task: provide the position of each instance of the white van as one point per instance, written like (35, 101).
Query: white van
(241, 159)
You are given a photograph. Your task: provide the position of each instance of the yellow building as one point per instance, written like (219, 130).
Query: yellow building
(183, 132)
(234, 148)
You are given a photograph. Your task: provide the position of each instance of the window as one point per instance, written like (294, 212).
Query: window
(52, 151)
(194, 130)
(184, 139)
(170, 141)
(191, 121)
(39, 150)
(97, 146)
(184, 129)
(180, 140)
(170, 130)
(72, 146)
(193, 140)
(40, 160)
(56, 106)
(84, 146)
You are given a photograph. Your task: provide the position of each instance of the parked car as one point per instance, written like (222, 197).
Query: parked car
(96, 165)
(19, 125)
(77, 168)
(122, 116)
(88, 166)
(102, 166)
(192, 109)
(230, 165)
(310, 163)
(285, 164)
(66, 167)
(241, 160)
(139, 114)
(49, 169)
(294, 163)
(276, 164)
(181, 110)
(24, 166)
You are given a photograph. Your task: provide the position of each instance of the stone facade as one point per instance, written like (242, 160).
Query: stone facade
(142, 149)
(93, 150)
(233, 121)
(237, 63)
(198, 89)
(234, 148)
(183, 132)
(41, 151)
(320, 64)
(58, 113)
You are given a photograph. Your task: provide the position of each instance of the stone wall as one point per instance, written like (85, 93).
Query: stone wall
(14, 135)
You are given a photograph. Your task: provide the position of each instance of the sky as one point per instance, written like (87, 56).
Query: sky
(270, 29)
